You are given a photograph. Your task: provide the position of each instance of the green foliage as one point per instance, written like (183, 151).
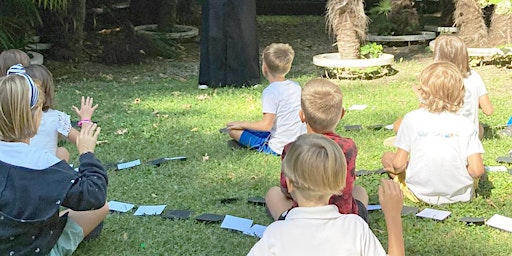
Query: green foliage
(18, 18)
(53, 5)
(379, 16)
(371, 50)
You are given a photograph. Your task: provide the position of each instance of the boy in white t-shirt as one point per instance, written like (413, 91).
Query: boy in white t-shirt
(439, 156)
(281, 104)
(315, 168)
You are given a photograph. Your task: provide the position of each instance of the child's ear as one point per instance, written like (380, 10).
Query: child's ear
(302, 116)
(342, 112)
(289, 185)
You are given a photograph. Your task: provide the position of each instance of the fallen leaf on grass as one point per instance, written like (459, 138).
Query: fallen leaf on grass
(187, 106)
(136, 101)
(206, 157)
(121, 131)
(203, 97)
(195, 129)
(155, 126)
(154, 195)
(108, 77)
(99, 142)
(125, 236)
(154, 112)
(176, 93)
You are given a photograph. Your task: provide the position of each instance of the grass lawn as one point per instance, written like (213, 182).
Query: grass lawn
(155, 110)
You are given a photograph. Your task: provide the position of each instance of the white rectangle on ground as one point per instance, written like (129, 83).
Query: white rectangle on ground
(434, 214)
(149, 210)
(496, 168)
(357, 107)
(119, 206)
(257, 230)
(128, 164)
(389, 127)
(500, 222)
(237, 223)
(374, 207)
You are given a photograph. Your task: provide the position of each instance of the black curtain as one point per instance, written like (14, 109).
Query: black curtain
(229, 43)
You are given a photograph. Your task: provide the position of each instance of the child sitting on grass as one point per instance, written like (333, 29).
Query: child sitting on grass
(55, 123)
(452, 49)
(315, 168)
(439, 156)
(12, 57)
(321, 110)
(35, 184)
(281, 104)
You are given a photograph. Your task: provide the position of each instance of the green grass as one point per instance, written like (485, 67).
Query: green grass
(165, 115)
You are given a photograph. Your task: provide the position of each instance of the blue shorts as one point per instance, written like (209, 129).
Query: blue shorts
(69, 240)
(256, 140)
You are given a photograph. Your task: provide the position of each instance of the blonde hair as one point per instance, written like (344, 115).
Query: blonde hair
(278, 58)
(45, 77)
(17, 119)
(442, 87)
(316, 166)
(12, 57)
(322, 104)
(451, 48)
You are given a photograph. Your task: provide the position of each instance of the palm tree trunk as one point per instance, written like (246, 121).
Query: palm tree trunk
(500, 32)
(469, 20)
(404, 17)
(347, 20)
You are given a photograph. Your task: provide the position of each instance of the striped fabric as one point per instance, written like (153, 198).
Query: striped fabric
(18, 69)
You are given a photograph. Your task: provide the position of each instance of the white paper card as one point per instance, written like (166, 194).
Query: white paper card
(237, 223)
(496, 168)
(373, 207)
(433, 214)
(357, 107)
(500, 222)
(119, 206)
(128, 164)
(257, 230)
(149, 210)
(389, 127)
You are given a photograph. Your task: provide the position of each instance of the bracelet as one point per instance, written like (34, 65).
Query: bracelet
(84, 121)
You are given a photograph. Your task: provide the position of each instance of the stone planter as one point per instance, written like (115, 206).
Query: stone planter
(332, 60)
(421, 36)
(183, 32)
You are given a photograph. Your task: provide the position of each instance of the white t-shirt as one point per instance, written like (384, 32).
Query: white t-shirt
(475, 88)
(283, 100)
(53, 123)
(438, 145)
(320, 230)
(24, 155)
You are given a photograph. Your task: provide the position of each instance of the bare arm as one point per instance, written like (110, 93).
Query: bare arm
(264, 125)
(391, 200)
(475, 165)
(485, 105)
(73, 135)
(400, 160)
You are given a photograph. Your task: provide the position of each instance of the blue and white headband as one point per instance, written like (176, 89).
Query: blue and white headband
(18, 69)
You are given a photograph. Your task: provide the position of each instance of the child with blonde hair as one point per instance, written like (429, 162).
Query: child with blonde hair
(439, 155)
(321, 110)
(315, 168)
(54, 123)
(31, 222)
(451, 48)
(281, 103)
(12, 57)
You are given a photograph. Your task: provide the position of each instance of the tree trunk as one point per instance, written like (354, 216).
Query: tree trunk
(347, 21)
(167, 15)
(469, 20)
(404, 17)
(347, 41)
(500, 32)
(71, 43)
(447, 8)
